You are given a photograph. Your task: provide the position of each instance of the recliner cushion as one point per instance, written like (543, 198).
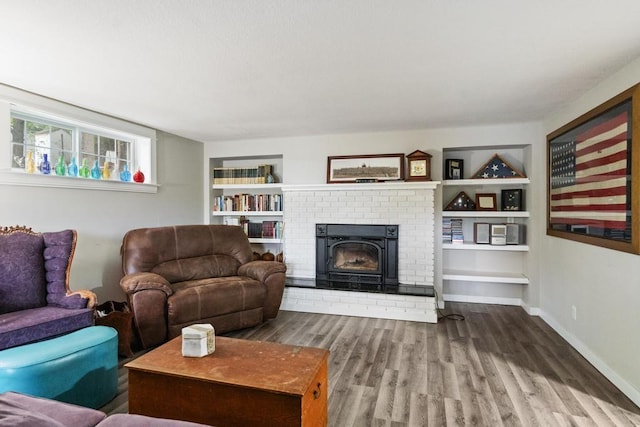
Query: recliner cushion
(195, 268)
(201, 299)
(22, 274)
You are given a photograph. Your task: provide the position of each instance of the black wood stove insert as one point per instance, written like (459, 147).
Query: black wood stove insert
(357, 255)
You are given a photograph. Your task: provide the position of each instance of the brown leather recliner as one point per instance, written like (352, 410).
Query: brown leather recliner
(180, 275)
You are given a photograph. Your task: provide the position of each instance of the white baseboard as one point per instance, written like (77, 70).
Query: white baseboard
(531, 311)
(482, 299)
(630, 391)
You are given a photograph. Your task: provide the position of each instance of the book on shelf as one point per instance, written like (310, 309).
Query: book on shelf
(268, 229)
(234, 175)
(254, 229)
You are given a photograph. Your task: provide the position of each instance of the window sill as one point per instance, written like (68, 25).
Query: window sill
(37, 180)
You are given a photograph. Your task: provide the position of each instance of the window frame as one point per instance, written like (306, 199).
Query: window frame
(54, 113)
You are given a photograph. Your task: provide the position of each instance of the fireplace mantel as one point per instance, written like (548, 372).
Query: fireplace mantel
(388, 185)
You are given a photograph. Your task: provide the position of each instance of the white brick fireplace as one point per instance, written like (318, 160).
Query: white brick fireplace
(410, 205)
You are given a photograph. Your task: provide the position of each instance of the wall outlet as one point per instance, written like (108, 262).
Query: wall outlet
(574, 312)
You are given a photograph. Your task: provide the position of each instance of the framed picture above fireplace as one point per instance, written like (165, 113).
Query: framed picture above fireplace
(365, 168)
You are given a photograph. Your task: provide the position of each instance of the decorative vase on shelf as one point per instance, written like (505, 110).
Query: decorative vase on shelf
(125, 175)
(95, 171)
(138, 176)
(106, 170)
(61, 168)
(72, 170)
(84, 169)
(268, 256)
(270, 179)
(30, 164)
(45, 166)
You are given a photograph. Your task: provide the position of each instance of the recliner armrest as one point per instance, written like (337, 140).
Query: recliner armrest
(261, 270)
(132, 283)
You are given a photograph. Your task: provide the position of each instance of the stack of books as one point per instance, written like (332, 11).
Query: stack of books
(272, 229)
(256, 175)
(457, 235)
(248, 202)
(254, 229)
(446, 230)
(264, 229)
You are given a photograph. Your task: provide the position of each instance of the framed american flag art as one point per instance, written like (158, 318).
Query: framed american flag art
(592, 166)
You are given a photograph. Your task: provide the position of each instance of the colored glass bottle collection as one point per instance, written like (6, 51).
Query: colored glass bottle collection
(60, 168)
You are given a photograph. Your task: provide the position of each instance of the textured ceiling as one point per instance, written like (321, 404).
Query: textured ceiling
(218, 70)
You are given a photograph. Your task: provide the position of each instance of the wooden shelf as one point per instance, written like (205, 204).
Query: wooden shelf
(475, 247)
(492, 277)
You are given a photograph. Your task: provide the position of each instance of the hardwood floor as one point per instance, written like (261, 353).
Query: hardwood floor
(499, 366)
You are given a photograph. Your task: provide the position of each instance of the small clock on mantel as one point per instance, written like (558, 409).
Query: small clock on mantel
(419, 166)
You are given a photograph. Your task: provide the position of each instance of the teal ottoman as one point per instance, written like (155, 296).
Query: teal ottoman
(80, 367)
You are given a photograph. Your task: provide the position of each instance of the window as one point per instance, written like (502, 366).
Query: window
(42, 144)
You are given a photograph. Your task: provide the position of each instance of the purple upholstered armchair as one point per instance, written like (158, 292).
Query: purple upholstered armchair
(35, 300)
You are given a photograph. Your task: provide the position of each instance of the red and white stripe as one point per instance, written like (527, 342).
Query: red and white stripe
(599, 196)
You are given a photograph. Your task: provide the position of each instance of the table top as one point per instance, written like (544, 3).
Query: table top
(259, 365)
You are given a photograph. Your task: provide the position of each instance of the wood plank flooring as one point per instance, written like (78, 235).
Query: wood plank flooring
(498, 367)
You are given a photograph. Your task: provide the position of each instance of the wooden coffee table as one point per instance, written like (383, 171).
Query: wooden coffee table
(243, 383)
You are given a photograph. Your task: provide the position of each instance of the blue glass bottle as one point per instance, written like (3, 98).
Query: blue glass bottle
(45, 166)
(96, 173)
(72, 170)
(125, 175)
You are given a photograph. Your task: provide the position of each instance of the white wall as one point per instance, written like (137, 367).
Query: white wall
(603, 284)
(102, 217)
(305, 162)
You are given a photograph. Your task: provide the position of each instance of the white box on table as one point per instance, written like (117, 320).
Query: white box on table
(198, 340)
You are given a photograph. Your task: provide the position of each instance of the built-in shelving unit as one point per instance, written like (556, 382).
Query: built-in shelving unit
(233, 216)
(485, 263)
